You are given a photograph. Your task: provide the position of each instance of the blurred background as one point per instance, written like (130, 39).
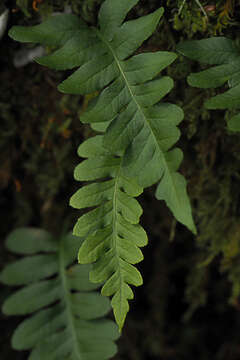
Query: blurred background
(189, 304)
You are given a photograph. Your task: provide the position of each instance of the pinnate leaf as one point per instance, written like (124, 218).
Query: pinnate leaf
(111, 230)
(129, 91)
(225, 54)
(135, 149)
(67, 313)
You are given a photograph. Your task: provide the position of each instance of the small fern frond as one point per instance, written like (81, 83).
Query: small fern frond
(128, 100)
(225, 54)
(111, 230)
(66, 313)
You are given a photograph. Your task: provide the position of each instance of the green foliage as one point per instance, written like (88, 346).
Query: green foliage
(37, 181)
(111, 231)
(139, 132)
(219, 209)
(66, 313)
(225, 54)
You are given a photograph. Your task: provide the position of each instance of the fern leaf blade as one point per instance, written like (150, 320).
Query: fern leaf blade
(92, 76)
(63, 329)
(18, 273)
(135, 149)
(134, 232)
(177, 200)
(96, 168)
(94, 245)
(120, 304)
(35, 329)
(98, 329)
(31, 241)
(113, 239)
(140, 30)
(126, 101)
(112, 100)
(48, 350)
(144, 67)
(32, 298)
(216, 50)
(78, 278)
(53, 32)
(130, 186)
(134, 122)
(136, 116)
(88, 306)
(128, 207)
(92, 195)
(75, 52)
(112, 14)
(92, 147)
(229, 99)
(215, 76)
(93, 220)
(226, 54)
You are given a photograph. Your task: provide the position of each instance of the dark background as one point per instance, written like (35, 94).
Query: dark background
(184, 310)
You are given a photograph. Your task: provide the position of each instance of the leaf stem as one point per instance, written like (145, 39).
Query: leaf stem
(67, 299)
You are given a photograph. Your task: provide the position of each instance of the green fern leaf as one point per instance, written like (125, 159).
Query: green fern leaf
(225, 54)
(129, 94)
(111, 230)
(66, 314)
(135, 148)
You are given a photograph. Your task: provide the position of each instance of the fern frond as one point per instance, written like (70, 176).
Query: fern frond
(111, 230)
(128, 99)
(66, 313)
(225, 54)
(136, 145)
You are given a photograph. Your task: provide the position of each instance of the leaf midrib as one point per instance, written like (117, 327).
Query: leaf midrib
(67, 298)
(154, 135)
(115, 237)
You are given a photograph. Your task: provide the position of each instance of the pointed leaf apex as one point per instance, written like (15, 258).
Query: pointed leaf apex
(120, 319)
